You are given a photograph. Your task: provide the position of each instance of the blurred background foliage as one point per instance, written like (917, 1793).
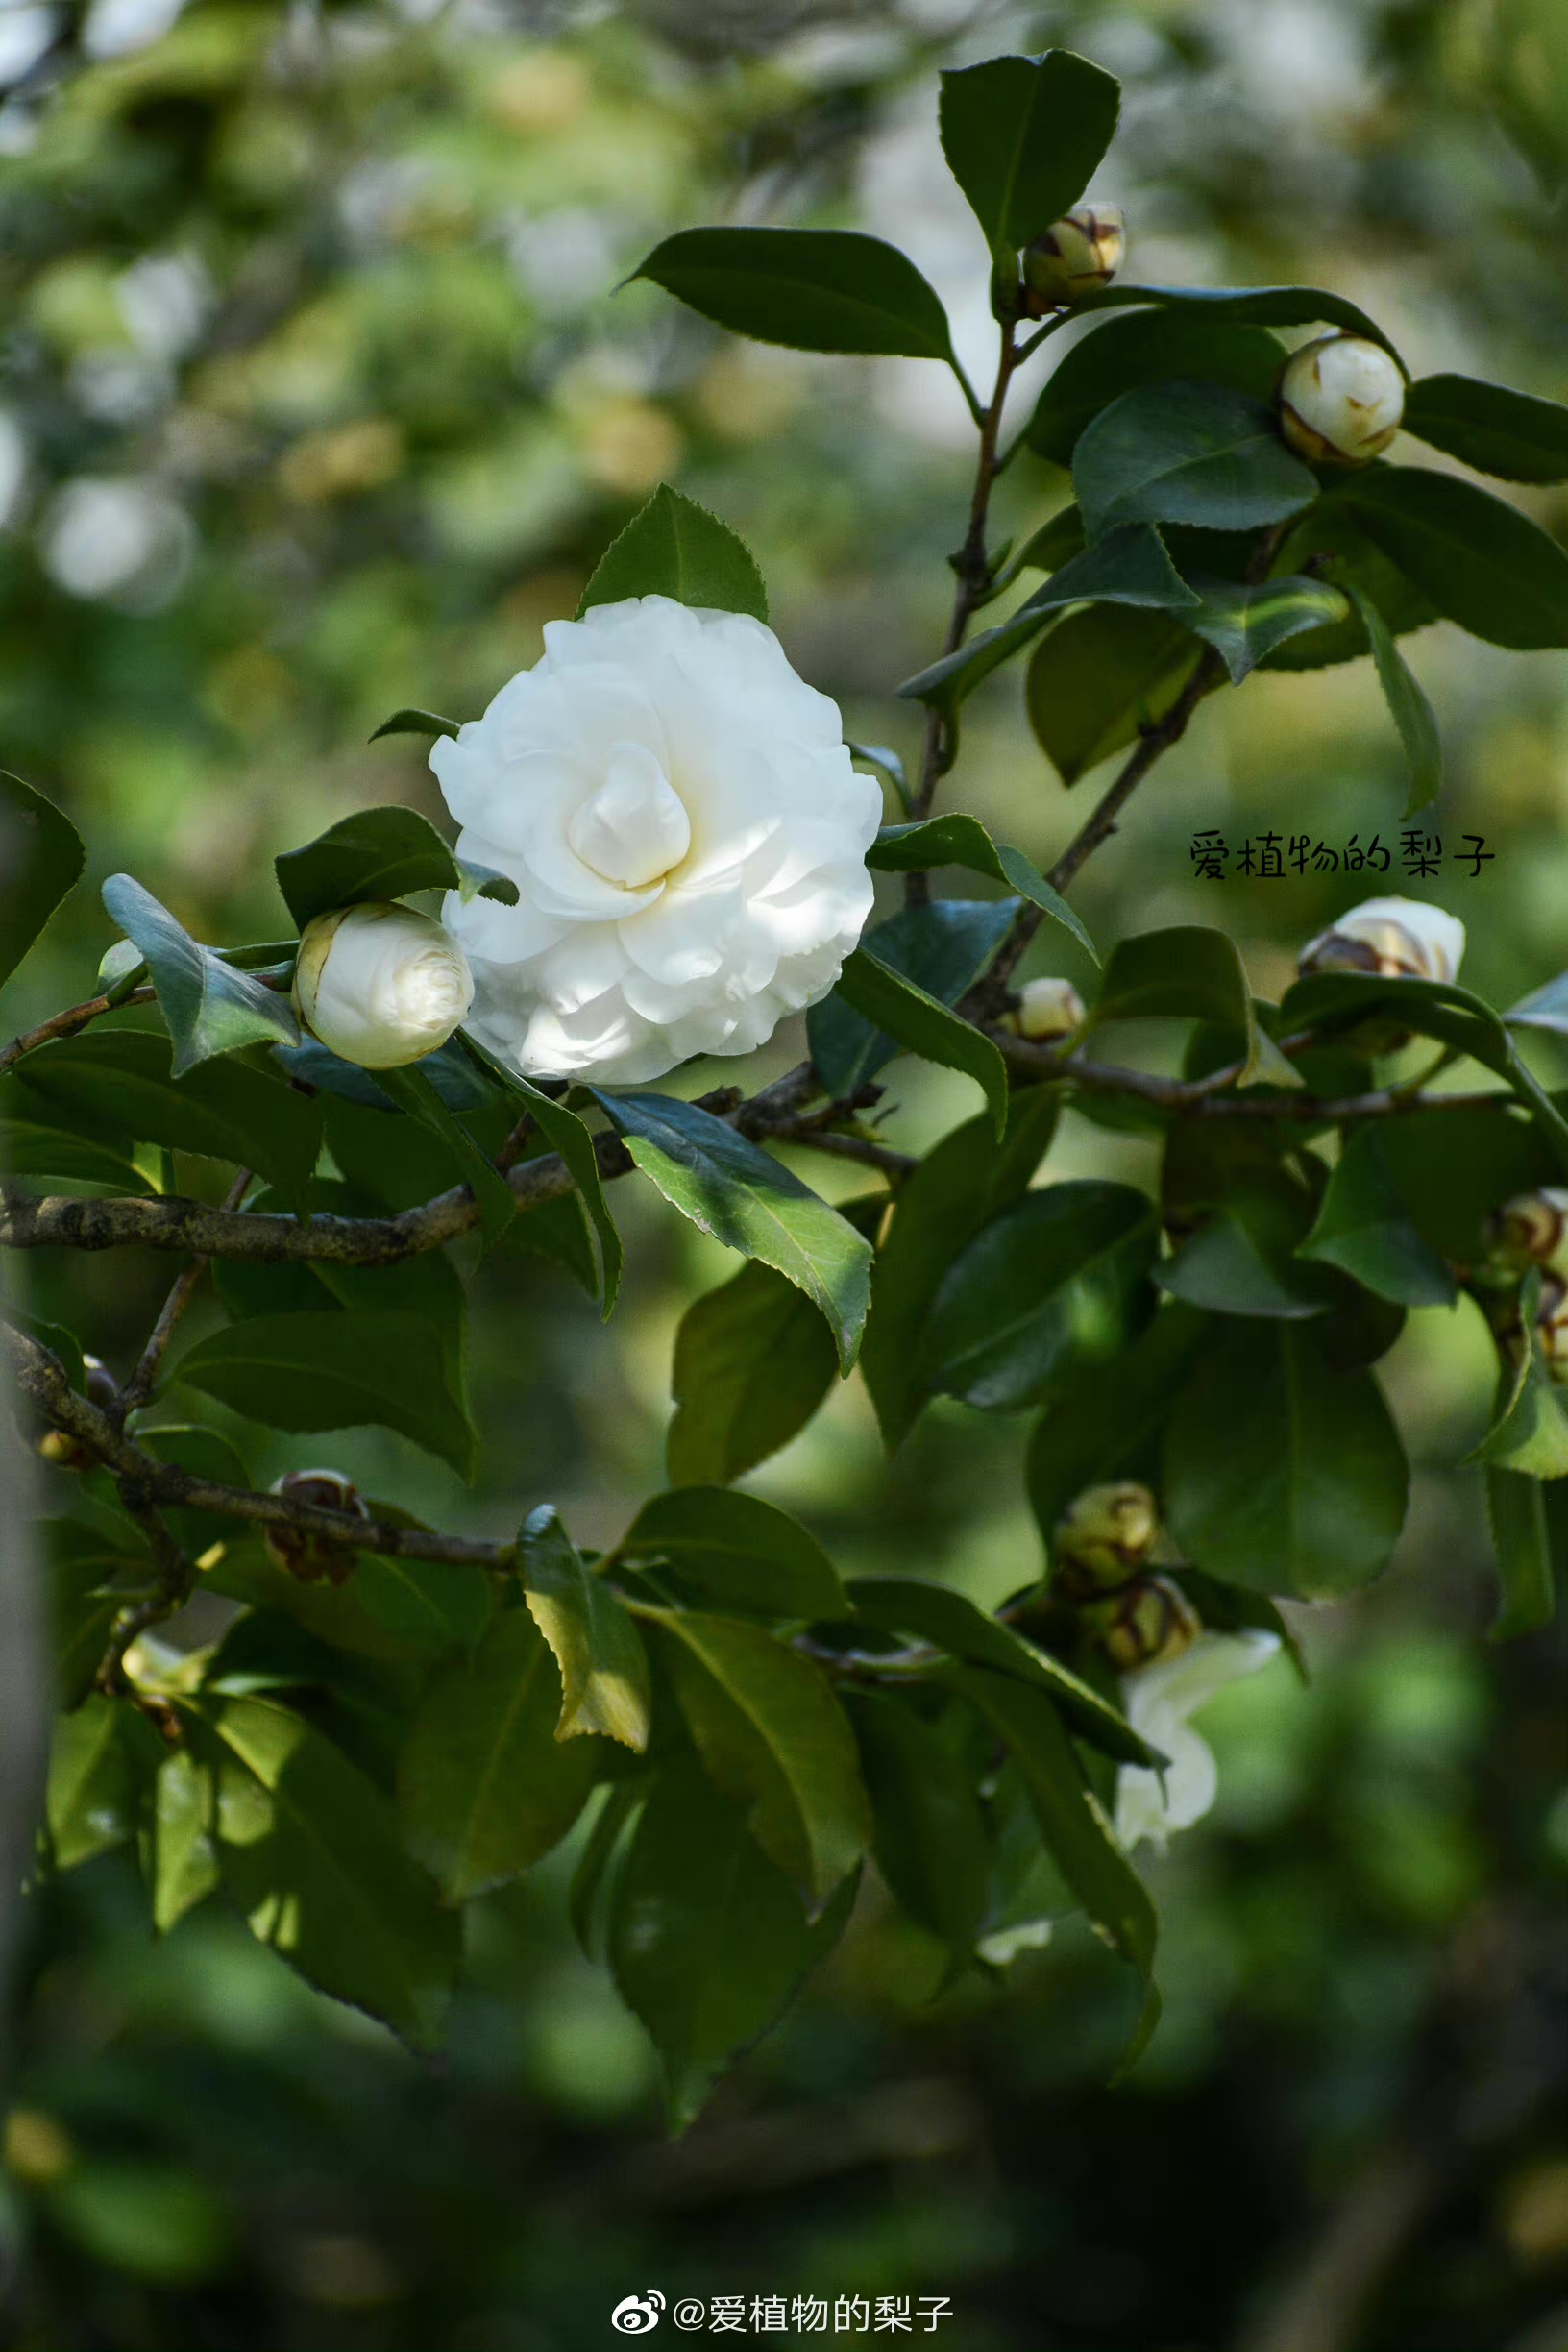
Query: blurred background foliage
(316, 399)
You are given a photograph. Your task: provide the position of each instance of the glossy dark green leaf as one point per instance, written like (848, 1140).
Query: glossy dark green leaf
(1281, 1474)
(413, 1091)
(708, 1939)
(733, 1191)
(1187, 452)
(1522, 1547)
(738, 1550)
(1056, 1283)
(392, 1611)
(922, 1024)
(415, 722)
(1023, 136)
(675, 548)
(1107, 1426)
(929, 1838)
(1239, 1262)
(1453, 1168)
(336, 1371)
(1512, 435)
(1529, 1429)
(180, 1857)
(753, 1361)
(773, 1735)
(566, 1135)
(49, 1159)
(308, 1848)
(943, 948)
(119, 1083)
(1127, 566)
(475, 881)
(959, 840)
(459, 1081)
(1328, 542)
(952, 1194)
(92, 1571)
(814, 289)
(376, 854)
(1245, 306)
(910, 1605)
(99, 1766)
(1411, 713)
(210, 1008)
(1480, 561)
(1056, 541)
(1243, 624)
(41, 858)
(1153, 347)
(1364, 1228)
(1099, 678)
(597, 1649)
(1191, 972)
(485, 1787)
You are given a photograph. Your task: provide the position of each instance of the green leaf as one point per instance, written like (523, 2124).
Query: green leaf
(207, 1454)
(1107, 1426)
(771, 1735)
(1052, 1284)
(1512, 435)
(33, 1154)
(1453, 1168)
(908, 1604)
(1023, 136)
(748, 1202)
(1187, 452)
(415, 722)
(708, 1940)
(456, 1077)
(566, 1134)
(1281, 1474)
(1244, 624)
(1328, 542)
(209, 1006)
(929, 1838)
(1151, 348)
(943, 948)
(413, 1091)
(1051, 547)
(675, 548)
(814, 289)
(738, 1550)
(475, 881)
(308, 1850)
(1530, 1430)
(336, 1371)
(952, 1194)
(1239, 1262)
(119, 1083)
(1411, 713)
(958, 840)
(1191, 972)
(180, 1860)
(603, 1667)
(1073, 1825)
(376, 854)
(1128, 565)
(924, 1025)
(97, 1767)
(1364, 1228)
(1100, 679)
(41, 858)
(485, 1787)
(92, 1570)
(1246, 306)
(1481, 563)
(753, 1360)
(395, 1611)
(1516, 1513)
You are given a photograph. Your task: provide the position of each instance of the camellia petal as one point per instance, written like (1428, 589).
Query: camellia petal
(1158, 1699)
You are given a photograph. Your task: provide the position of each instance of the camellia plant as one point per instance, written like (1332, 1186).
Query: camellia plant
(664, 847)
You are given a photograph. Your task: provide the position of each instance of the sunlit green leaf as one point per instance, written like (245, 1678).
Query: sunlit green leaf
(816, 289)
(603, 1667)
(210, 1008)
(675, 548)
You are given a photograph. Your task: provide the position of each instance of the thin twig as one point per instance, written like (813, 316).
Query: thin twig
(1198, 1098)
(139, 1387)
(67, 1024)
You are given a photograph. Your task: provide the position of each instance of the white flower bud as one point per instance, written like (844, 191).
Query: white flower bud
(1074, 256)
(1399, 938)
(1342, 400)
(302, 1553)
(380, 985)
(1552, 1326)
(1046, 1009)
(1531, 1229)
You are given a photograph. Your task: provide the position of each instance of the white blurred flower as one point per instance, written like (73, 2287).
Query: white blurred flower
(678, 811)
(380, 984)
(25, 34)
(1342, 400)
(12, 465)
(119, 538)
(1158, 1699)
(1399, 938)
(118, 28)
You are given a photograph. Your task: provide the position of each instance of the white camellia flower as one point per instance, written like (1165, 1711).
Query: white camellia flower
(1342, 400)
(686, 832)
(380, 983)
(1399, 938)
(1159, 1699)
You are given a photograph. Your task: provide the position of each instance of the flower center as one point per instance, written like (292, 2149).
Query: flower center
(634, 829)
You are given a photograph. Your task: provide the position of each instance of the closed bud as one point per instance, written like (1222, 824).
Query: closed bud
(1529, 1230)
(1399, 938)
(307, 1555)
(1104, 1537)
(1147, 1622)
(103, 1389)
(1342, 400)
(1552, 1326)
(58, 1447)
(380, 984)
(1073, 258)
(1046, 1009)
